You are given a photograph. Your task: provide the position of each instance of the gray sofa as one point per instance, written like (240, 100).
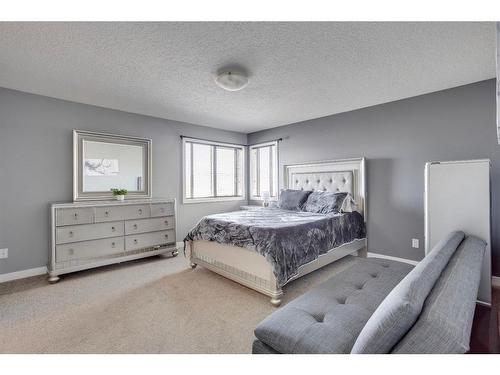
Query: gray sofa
(382, 306)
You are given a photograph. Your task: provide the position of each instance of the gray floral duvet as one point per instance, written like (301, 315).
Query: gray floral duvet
(287, 239)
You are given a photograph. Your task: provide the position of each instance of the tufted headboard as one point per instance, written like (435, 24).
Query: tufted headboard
(346, 175)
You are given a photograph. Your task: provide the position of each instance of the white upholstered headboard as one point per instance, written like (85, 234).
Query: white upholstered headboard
(346, 175)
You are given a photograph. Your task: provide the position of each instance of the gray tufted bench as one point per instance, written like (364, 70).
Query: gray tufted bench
(339, 307)
(355, 307)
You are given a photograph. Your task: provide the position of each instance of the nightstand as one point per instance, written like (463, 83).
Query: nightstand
(251, 207)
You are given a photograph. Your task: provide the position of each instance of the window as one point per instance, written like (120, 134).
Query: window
(212, 171)
(264, 170)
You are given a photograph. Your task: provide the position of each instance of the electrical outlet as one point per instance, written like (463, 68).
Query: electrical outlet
(4, 253)
(414, 243)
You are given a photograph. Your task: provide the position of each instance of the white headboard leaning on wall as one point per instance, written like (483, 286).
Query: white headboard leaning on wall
(344, 175)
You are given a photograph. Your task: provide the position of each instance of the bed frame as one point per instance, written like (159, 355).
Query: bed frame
(250, 268)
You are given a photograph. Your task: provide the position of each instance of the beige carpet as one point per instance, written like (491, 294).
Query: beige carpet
(155, 305)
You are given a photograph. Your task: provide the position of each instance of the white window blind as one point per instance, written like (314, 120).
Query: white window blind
(264, 169)
(212, 170)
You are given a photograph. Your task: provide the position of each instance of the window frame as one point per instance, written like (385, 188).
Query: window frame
(215, 198)
(272, 162)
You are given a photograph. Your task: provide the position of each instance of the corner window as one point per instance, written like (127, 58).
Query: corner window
(264, 170)
(212, 171)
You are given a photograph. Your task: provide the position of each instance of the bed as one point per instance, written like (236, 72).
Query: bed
(267, 248)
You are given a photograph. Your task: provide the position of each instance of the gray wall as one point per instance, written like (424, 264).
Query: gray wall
(36, 166)
(397, 139)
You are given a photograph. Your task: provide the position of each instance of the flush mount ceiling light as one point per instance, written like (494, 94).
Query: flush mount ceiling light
(231, 80)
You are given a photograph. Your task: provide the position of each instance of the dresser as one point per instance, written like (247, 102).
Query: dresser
(92, 234)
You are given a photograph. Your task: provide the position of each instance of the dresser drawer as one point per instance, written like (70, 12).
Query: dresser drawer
(112, 213)
(149, 225)
(70, 216)
(75, 233)
(140, 241)
(89, 249)
(162, 209)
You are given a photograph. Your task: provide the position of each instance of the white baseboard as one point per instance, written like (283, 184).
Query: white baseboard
(495, 282)
(381, 256)
(23, 274)
(43, 270)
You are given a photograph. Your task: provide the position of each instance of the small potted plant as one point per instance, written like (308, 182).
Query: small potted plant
(119, 194)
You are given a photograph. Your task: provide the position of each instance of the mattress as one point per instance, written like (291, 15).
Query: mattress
(287, 239)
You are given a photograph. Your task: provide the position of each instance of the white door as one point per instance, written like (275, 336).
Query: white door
(457, 197)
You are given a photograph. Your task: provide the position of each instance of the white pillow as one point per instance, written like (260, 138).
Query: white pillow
(349, 204)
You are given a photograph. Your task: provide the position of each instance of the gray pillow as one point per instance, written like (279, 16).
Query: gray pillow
(324, 202)
(444, 325)
(402, 306)
(293, 199)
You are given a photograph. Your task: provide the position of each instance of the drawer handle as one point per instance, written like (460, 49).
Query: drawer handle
(71, 233)
(106, 213)
(166, 222)
(166, 236)
(113, 244)
(113, 229)
(135, 241)
(135, 226)
(75, 216)
(140, 211)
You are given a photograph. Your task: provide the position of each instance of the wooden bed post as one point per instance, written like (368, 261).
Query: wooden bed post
(191, 250)
(277, 295)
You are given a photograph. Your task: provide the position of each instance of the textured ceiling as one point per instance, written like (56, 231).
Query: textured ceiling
(299, 71)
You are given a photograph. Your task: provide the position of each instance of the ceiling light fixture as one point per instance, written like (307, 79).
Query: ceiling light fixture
(231, 80)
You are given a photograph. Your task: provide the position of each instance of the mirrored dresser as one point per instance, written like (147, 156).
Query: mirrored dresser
(90, 234)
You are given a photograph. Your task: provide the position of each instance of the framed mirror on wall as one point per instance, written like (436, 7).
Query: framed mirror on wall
(102, 162)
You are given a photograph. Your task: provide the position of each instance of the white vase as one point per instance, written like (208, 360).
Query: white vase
(120, 197)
